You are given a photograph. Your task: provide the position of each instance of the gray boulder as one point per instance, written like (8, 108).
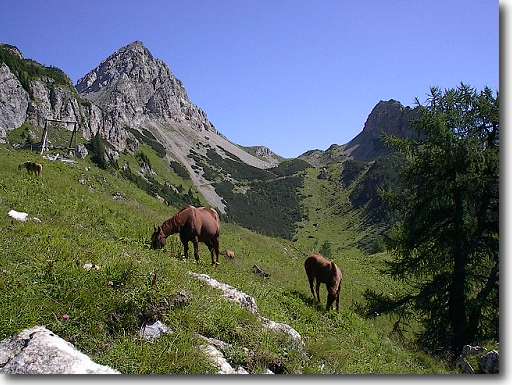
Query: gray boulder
(81, 151)
(154, 331)
(490, 362)
(39, 351)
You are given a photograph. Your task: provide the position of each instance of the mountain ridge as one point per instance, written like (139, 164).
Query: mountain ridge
(132, 98)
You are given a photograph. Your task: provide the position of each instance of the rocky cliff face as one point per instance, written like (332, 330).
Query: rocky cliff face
(387, 117)
(30, 92)
(13, 102)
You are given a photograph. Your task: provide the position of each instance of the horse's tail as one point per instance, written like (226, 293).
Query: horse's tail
(333, 272)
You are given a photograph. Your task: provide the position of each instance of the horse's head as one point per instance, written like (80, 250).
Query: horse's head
(158, 238)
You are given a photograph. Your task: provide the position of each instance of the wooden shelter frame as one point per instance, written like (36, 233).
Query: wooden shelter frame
(72, 141)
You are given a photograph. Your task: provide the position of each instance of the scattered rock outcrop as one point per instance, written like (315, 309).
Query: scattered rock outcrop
(249, 303)
(488, 361)
(22, 217)
(260, 272)
(81, 152)
(229, 292)
(151, 332)
(213, 349)
(264, 153)
(39, 351)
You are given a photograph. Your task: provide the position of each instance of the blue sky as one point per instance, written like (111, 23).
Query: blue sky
(291, 75)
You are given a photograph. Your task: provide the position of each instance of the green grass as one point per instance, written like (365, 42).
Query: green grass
(164, 171)
(41, 278)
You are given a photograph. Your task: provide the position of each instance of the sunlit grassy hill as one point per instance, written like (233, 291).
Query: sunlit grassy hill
(89, 215)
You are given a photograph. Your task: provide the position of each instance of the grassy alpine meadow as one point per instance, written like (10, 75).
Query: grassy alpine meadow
(88, 215)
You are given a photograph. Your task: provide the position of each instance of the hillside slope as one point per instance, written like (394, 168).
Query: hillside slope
(41, 273)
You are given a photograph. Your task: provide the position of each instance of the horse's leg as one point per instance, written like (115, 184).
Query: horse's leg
(216, 249)
(338, 300)
(184, 241)
(195, 242)
(311, 280)
(185, 249)
(209, 243)
(318, 289)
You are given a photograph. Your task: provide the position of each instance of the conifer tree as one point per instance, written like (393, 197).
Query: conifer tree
(446, 242)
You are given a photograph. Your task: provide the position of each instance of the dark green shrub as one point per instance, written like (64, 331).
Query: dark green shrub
(179, 169)
(97, 147)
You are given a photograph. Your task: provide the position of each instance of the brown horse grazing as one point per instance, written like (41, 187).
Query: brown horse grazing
(193, 224)
(322, 270)
(32, 167)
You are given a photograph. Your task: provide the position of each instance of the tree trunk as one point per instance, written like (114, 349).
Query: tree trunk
(475, 314)
(457, 305)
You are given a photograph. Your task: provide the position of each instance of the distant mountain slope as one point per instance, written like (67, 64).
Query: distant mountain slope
(264, 153)
(318, 158)
(133, 99)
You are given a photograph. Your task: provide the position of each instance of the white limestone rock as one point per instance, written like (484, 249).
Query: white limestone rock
(39, 351)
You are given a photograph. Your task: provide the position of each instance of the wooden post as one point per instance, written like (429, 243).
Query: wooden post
(73, 136)
(45, 137)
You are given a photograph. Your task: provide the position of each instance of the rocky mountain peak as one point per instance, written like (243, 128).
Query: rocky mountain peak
(387, 116)
(138, 95)
(133, 61)
(134, 88)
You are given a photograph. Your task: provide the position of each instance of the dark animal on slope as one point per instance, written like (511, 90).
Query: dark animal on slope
(33, 167)
(199, 224)
(321, 270)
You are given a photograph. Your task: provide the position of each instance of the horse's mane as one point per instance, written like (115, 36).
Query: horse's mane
(172, 224)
